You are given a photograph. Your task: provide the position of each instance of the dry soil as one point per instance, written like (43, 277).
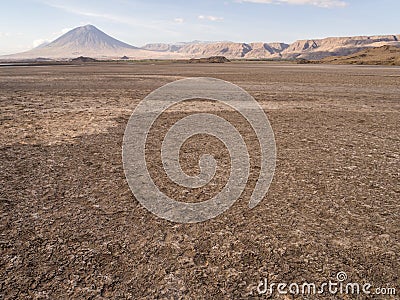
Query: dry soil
(71, 228)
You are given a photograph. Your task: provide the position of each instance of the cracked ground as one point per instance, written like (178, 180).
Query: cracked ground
(72, 229)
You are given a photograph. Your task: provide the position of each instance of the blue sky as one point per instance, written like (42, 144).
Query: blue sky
(26, 23)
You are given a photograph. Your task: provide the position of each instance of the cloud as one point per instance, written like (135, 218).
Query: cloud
(76, 11)
(5, 34)
(153, 25)
(210, 18)
(319, 3)
(179, 20)
(65, 30)
(39, 42)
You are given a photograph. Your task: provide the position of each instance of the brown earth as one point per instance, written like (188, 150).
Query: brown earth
(71, 228)
(385, 55)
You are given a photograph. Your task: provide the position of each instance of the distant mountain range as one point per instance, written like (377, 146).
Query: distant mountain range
(92, 42)
(306, 49)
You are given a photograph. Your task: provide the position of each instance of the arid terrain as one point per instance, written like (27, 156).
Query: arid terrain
(72, 229)
(385, 55)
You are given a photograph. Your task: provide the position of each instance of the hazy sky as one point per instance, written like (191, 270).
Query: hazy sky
(26, 23)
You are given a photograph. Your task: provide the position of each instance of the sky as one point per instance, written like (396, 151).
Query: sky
(25, 24)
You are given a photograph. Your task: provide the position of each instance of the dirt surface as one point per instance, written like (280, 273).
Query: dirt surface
(71, 228)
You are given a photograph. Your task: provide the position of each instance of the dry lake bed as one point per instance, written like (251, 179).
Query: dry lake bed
(72, 229)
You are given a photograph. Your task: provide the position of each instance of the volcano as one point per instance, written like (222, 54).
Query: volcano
(87, 41)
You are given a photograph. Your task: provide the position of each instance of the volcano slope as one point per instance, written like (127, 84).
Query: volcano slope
(71, 228)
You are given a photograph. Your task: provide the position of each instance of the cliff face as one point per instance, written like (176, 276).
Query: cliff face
(385, 55)
(161, 47)
(264, 50)
(307, 49)
(227, 49)
(320, 48)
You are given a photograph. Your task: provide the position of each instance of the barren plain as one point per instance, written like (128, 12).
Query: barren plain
(72, 229)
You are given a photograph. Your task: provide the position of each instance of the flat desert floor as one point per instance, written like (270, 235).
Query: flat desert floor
(72, 229)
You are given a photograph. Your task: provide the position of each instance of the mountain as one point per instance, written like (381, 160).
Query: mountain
(337, 46)
(306, 49)
(385, 55)
(164, 47)
(86, 41)
(227, 49)
(161, 47)
(264, 50)
(197, 49)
